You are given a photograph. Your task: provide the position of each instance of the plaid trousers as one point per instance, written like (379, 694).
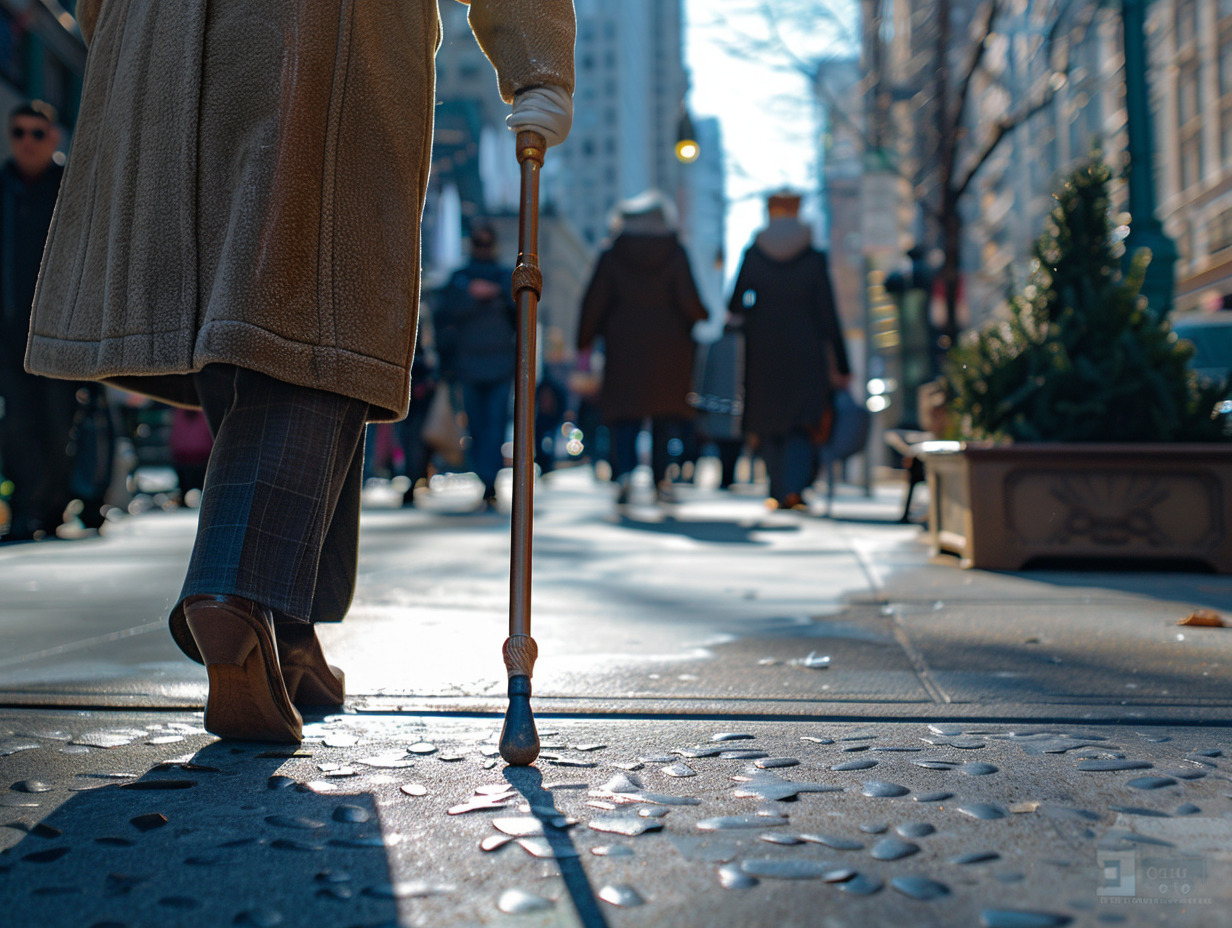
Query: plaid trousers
(279, 519)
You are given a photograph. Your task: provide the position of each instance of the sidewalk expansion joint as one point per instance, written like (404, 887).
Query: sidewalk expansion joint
(816, 718)
(1000, 721)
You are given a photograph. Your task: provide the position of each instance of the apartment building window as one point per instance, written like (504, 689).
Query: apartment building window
(1184, 246)
(1223, 68)
(1191, 161)
(1225, 136)
(1219, 232)
(1189, 111)
(1190, 90)
(1186, 21)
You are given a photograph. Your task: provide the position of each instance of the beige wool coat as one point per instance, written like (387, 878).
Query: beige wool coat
(246, 185)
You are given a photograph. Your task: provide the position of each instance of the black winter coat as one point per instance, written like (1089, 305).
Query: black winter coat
(790, 325)
(25, 215)
(642, 300)
(476, 339)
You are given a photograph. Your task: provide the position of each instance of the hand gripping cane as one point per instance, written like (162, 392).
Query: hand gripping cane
(519, 742)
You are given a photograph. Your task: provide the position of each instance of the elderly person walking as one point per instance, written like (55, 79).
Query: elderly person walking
(643, 302)
(239, 230)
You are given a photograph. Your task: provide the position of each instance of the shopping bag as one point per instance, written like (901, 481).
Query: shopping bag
(848, 430)
(441, 431)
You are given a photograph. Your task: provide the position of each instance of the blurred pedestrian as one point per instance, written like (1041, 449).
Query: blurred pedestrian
(476, 323)
(643, 303)
(239, 230)
(416, 452)
(94, 443)
(38, 412)
(190, 443)
(551, 400)
(794, 353)
(720, 400)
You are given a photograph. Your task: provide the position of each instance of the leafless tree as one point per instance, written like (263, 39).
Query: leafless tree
(949, 66)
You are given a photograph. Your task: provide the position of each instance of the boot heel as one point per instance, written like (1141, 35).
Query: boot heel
(223, 638)
(310, 689)
(247, 698)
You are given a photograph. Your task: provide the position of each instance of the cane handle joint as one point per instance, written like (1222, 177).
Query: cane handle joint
(527, 277)
(520, 652)
(531, 146)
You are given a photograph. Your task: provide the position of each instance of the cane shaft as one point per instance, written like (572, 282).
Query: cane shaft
(527, 284)
(519, 741)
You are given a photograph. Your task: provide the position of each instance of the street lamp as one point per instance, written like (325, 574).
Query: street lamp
(1145, 230)
(687, 149)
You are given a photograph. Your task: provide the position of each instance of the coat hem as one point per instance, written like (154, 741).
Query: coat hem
(294, 362)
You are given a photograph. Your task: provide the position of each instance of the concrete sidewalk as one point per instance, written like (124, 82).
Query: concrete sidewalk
(919, 743)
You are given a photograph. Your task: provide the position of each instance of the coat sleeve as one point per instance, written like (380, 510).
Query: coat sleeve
(687, 299)
(596, 304)
(831, 331)
(529, 42)
(735, 305)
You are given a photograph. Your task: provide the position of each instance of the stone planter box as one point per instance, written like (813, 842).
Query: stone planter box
(1002, 507)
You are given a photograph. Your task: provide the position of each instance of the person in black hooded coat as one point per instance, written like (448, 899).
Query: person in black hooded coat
(794, 353)
(643, 302)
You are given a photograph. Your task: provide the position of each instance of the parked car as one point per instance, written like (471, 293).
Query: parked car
(1211, 335)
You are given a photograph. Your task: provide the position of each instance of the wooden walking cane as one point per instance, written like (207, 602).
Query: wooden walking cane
(519, 742)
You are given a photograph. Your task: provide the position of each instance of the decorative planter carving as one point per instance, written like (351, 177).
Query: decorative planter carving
(1001, 507)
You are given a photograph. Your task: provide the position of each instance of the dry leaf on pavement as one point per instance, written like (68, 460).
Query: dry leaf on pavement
(1205, 617)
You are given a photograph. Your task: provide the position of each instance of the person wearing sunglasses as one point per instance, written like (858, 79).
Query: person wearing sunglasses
(38, 412)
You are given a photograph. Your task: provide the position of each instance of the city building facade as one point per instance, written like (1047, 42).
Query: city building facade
(1190, 79)
(628, 107)
(1191, 48)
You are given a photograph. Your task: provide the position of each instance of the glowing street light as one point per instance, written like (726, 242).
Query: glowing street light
(687, 149)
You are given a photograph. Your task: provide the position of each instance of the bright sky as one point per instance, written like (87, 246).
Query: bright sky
(766, 114)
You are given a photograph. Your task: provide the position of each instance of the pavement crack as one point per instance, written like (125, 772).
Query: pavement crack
(920, 665)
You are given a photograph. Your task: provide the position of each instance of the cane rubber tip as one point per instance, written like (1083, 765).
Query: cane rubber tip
(519, 741)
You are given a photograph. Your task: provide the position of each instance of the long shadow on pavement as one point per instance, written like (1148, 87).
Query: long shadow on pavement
(529, 782)
(713, 532)
(216, 839)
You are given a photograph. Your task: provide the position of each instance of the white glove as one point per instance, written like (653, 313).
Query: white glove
(547, 110)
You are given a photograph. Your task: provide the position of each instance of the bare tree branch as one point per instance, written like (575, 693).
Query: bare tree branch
(993, 10)
(1001, 129)
(1005, 126)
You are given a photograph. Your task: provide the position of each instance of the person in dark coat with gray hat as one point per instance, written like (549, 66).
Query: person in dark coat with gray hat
(794, 353)
(643, 302)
